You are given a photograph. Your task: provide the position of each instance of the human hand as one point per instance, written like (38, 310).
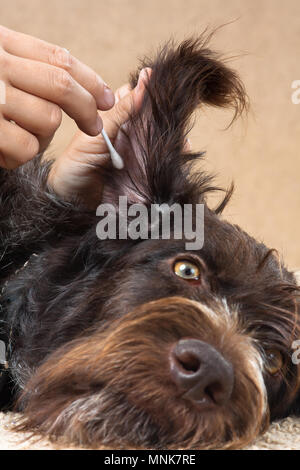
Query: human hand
(38, 80)
(75, 173)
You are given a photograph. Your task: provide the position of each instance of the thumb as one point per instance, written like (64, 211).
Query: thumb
(127, 101)
(83, 146)
(75, 170)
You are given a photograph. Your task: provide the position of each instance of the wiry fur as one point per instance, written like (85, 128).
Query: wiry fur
(91, 322)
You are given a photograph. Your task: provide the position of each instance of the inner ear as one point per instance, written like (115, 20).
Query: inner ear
(153, 141)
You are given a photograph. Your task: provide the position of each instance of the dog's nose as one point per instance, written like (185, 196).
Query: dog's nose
(200, 370)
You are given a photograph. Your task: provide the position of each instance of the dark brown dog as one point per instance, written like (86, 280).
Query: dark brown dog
(143, 343)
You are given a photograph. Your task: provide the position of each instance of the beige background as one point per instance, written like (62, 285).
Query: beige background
(261, 153)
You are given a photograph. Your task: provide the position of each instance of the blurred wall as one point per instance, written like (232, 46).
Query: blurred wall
(261, 152)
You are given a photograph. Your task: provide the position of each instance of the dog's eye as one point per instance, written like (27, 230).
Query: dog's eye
(274, 361)
(187, 270)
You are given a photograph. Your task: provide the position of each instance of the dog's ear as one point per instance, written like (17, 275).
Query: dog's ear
(152, 143)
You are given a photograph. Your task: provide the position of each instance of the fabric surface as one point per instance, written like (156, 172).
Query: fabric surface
(284, 434)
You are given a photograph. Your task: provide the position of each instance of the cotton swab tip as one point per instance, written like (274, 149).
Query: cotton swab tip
(116, 159)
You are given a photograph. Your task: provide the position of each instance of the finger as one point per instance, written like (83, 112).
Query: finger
(23, 45)
(58, 86)
(43, 119)
(123, 109)
(17, 146)
(83, 144)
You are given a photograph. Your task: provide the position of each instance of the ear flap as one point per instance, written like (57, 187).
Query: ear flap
(152, 143)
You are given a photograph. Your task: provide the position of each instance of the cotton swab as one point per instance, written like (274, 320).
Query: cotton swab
(116, 159)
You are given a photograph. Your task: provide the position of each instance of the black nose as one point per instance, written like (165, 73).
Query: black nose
(200, 370)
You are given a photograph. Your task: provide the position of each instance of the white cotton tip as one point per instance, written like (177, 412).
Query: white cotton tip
(116, 159)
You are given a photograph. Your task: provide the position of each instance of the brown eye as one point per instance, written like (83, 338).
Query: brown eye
(187, 270)
(274, 361)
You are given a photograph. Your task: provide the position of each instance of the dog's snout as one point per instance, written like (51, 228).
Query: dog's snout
(202, 372)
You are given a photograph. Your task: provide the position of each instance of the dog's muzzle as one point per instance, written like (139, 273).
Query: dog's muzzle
(173, 373)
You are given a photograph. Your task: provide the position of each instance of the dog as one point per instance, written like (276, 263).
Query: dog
(143, 343)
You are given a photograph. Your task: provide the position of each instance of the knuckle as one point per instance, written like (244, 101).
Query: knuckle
(62, 82)
(49, 125)
(61, 58)
(29, 145)
(55, 118)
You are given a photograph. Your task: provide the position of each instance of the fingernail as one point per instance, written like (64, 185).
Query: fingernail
(108, 96)
(187, 144)
(142, 78)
